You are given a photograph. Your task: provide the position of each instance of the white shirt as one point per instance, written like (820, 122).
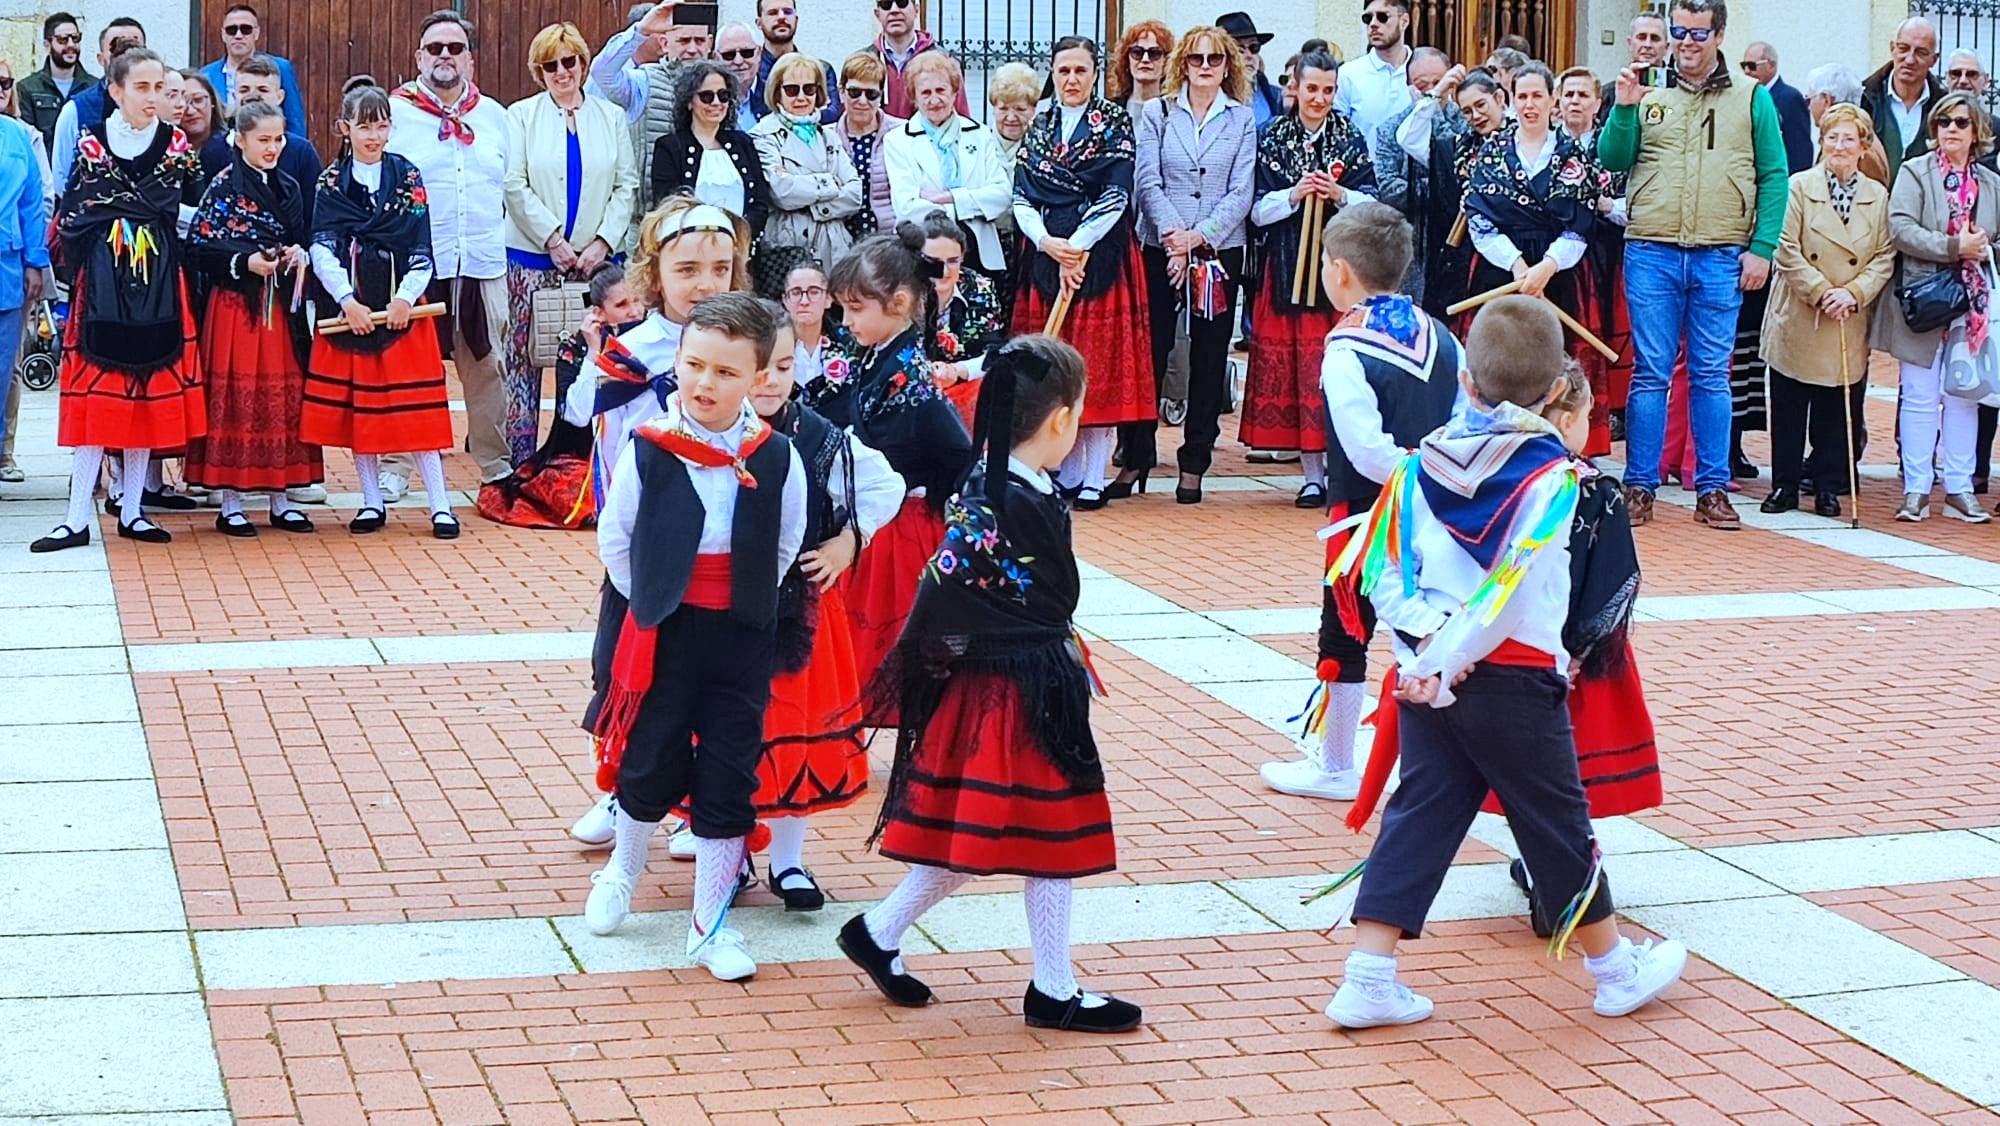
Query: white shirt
(1909, 119)
(656, 343)
(332, 272)
(613, 75)
(1274, 206)
(1372, 90)
(878, 488)
(718, 183)
(1037, 479)
(715, 486)
(466, 185)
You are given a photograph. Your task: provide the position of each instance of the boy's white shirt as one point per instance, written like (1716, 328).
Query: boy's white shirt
(655, 342)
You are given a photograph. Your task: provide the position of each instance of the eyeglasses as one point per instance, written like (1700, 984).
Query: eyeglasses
(67, 40)
(1204, 61)
(805, 293)
(1955, 121)
(439, 50)
(798, 89)
(950, 263)
(1146, 54)
(6, 85)
(712, 97)
(567, 62)
(1965, 72)
(889, 5)
(1751, 64)
(737, 54)
(863, 94)
(1250, 46)
(1376, 17)
(1698, 34)
(239, 30)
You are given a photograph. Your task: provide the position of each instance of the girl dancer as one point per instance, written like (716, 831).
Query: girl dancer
(996, 769)
(969, 318)
(248, 239)
(130, 379)
(376, 389)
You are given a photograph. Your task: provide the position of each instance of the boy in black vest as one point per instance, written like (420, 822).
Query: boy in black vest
(1390, 377)
(706, 513)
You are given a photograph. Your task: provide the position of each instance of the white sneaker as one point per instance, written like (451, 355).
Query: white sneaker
(307, 494)
(395, 486)
(610, 901)
(680, 846)
(599, 825)
(1645, 975)
(1307, 780)
(1372, 1004)
(724, 956)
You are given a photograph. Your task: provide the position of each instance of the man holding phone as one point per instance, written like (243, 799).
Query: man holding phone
(679, 33)
(900, 42)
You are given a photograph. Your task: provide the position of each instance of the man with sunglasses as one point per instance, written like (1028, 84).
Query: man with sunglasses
(242, 36)
(1266, 99)
(901, 41)
(1898, 96)
(1760, 65)
(635, 70)
(92, 106)
(1376, 87)
(778, 22)
(1710, 159)
(61, 77)
(736, 47)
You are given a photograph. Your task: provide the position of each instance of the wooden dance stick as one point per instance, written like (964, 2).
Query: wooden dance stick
(1309, 229)
(1318, 251)
(1478, 299)
(1060, 312)
(1456, 238)
(1585, 334)
(334, 326)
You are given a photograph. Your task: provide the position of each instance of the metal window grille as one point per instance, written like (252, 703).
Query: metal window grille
(987, 34)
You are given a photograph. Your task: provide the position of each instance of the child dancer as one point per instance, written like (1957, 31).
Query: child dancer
(706, 514)
(890, 403)
(1475, 581)
(1389, 376)
(969, 320)
(996, 769)
(131, 379)
(248, 239)
(376, 389)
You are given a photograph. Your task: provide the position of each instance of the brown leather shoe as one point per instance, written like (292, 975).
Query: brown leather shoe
(1639, 506)
(1713, 509)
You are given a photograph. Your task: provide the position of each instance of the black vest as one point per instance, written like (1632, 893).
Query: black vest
(666, 534)
(1410, 408)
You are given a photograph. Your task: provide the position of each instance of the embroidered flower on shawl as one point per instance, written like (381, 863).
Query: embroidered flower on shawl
(836, 369)
(972, 552)
(948, 346)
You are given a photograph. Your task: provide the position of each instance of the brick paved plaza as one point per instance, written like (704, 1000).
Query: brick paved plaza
(282, 840)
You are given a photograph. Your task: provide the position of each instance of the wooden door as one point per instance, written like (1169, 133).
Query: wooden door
(1469, 30)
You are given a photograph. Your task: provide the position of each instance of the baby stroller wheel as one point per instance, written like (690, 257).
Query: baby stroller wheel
(38, 371)
(1173, 412)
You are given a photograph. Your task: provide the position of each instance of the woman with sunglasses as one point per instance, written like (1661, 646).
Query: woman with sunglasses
(1139, 65)
(707, 155)
(1942, 214)
(862, 127)
(814, 185)
(571, 185)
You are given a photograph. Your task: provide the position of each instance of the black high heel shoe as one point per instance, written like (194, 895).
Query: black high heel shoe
(1124, 486)
(1185, 495)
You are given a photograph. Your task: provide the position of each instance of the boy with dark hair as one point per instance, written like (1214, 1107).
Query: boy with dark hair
(705, 516)
(1476, 586)
(1390, 376)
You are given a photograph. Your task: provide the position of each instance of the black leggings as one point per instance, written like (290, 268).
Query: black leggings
(1208, 368)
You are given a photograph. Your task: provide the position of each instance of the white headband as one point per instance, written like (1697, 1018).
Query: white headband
(699, 218)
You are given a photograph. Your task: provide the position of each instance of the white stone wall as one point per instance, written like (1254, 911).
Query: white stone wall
(166, 23)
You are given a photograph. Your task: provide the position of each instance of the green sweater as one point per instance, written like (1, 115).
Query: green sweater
(1618, 151)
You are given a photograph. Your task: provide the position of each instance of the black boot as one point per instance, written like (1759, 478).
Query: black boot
(1044, 1011)
(860, 948)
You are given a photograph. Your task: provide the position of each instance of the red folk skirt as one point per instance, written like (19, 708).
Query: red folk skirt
(814, 756)
(1283, 406)
(983, 799)
(964, 396)
(1579, 292)
(386, 402)
(163, 409)
(883, 582)
(1111, 330)
(255, 391)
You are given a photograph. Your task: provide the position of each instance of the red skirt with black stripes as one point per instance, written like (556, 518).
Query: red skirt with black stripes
(387, 402)
(981, 798)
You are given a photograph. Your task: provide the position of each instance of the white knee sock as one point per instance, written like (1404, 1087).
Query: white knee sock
(431, 466)
(85, 462)
(116, 469)
(924, 888)
(232, 502)
(1314, 467)
(788, 847)
(1097, 443)
(130, 510)
(156, 473)
(634, 839)
(718, 865)
(280, 503)
(1343, 725)
(1048, 903)
(369, 468)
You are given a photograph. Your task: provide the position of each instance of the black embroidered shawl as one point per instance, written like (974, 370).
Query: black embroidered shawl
(119, 228)
(1603, 576)
(890, 402)
(380, 237)
(1533, 211)
(1285, 153)
(245, 211)
(1070, 180)
(970, 324)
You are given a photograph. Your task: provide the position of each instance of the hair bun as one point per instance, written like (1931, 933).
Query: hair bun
(357, 82)
(910, 234)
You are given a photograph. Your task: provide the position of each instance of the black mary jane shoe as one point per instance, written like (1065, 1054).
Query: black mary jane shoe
(1826, 504)
(1780, 500)
(1044, 1011)
(444, 526)
(292, 520)
(808, 898)
(1311, 495)
(860, 948)
(1084, 503)
(367, 521)
(1537, 921)
(145, 531)
(63, 538)
(236, 524)
(168, 502)
(1125, 486)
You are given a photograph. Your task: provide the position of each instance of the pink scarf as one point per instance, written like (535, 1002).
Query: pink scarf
(451, 122)
(1962, 195)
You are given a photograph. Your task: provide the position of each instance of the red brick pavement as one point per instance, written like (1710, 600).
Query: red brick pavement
(1233, 1033)
(1957, 922)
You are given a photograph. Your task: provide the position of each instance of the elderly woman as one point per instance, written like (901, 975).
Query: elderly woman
(1941, 213)
(1196, 177)
(940, 160)
(862, 126)
(706, 155)
(1834, 260)
(571, 185)
(814, 185)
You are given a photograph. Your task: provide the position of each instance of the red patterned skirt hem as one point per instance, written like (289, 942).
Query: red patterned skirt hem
(386, 402)
(814, 755)
(161, 410)
(254, 389)
(1283, 407)
(882, 584)
(1111, 331)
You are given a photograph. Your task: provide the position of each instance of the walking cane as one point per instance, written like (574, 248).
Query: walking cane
(1847, 433)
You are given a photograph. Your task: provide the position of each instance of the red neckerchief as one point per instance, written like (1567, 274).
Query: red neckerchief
(683, 443)
(451, 122)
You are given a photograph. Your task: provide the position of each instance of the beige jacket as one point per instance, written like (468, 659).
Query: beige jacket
(1918, 215)
(1819, 252)
(537, 174)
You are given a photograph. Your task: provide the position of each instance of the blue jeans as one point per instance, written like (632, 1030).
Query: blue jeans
(12, 324)
(1680, 294)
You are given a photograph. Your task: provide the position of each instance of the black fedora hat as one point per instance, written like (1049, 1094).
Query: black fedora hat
(1239, 25)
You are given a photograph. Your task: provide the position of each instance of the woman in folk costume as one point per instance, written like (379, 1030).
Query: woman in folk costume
(1530, 206)
(1314, 152)
(131, 379)
(376, 388)
(884, 394)
(996, 769)
(969, 320)
(248, 237)
(1072, 196)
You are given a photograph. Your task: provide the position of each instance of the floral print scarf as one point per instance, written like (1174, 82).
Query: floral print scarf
(1961, 189)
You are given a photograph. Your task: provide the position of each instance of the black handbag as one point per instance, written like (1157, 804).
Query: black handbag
(1934, 301)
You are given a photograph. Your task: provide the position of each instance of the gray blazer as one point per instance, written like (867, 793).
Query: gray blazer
(1918, 215)
(1188, 180)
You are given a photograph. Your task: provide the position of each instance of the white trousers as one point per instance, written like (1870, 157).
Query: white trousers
(1935, 427)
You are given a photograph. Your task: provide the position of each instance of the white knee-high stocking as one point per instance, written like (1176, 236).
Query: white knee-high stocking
(369, 468)
(1343, 726)
(85, 463)
(924, 888)
(232, 501)
(1313, 467)
(280, 503)
(718, 865)
(788, 848)
(1048, 904)
(430, 465)
(130, 506)
(632, 841)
